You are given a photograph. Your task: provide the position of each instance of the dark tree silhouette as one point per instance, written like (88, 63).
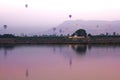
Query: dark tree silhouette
(80, 49)
(107, 33)
(7, 36)
(80, 32)
(114, 33)
(89, 35)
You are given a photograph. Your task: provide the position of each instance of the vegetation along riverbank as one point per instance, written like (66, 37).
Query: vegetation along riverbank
(78, 37)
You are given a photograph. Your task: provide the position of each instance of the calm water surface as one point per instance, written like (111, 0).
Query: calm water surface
(60, 62)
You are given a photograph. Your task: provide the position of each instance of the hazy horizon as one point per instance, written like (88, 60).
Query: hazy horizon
(40, 15)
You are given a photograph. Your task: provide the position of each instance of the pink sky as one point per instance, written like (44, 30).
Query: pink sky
(44, 14)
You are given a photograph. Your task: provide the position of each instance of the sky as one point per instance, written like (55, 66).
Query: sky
(41, 15)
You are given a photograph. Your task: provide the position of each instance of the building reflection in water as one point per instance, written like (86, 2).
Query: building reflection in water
(80, 49)
(26, 73)
(5, 52)
(54, 49)
(70, 61)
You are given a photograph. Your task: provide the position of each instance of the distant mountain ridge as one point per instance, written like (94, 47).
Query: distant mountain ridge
(91, 26)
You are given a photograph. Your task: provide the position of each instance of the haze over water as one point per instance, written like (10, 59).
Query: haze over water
(60, 62)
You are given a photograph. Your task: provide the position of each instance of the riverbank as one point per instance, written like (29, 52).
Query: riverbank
(61, 40)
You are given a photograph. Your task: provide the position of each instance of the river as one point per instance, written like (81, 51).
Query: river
(60, 62)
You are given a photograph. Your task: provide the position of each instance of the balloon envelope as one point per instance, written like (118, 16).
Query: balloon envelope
(5, 26)
(26, 5)
(70, 16)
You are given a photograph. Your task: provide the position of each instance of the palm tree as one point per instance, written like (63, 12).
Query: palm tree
(54, 29)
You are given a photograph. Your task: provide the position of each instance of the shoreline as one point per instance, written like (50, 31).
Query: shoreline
(60, 40)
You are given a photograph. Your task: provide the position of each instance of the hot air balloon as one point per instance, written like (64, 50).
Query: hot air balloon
(97, 26)
(5, 26)
(54, 29)
(70, 16)
(26, 5)
(60, 31)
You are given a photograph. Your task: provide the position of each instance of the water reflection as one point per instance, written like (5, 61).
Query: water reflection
(26, 73)
(6, 49)
(68, 51)
(113, 46)
(57, 47)
(70, 61)
(38, 62)
(80, 49)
